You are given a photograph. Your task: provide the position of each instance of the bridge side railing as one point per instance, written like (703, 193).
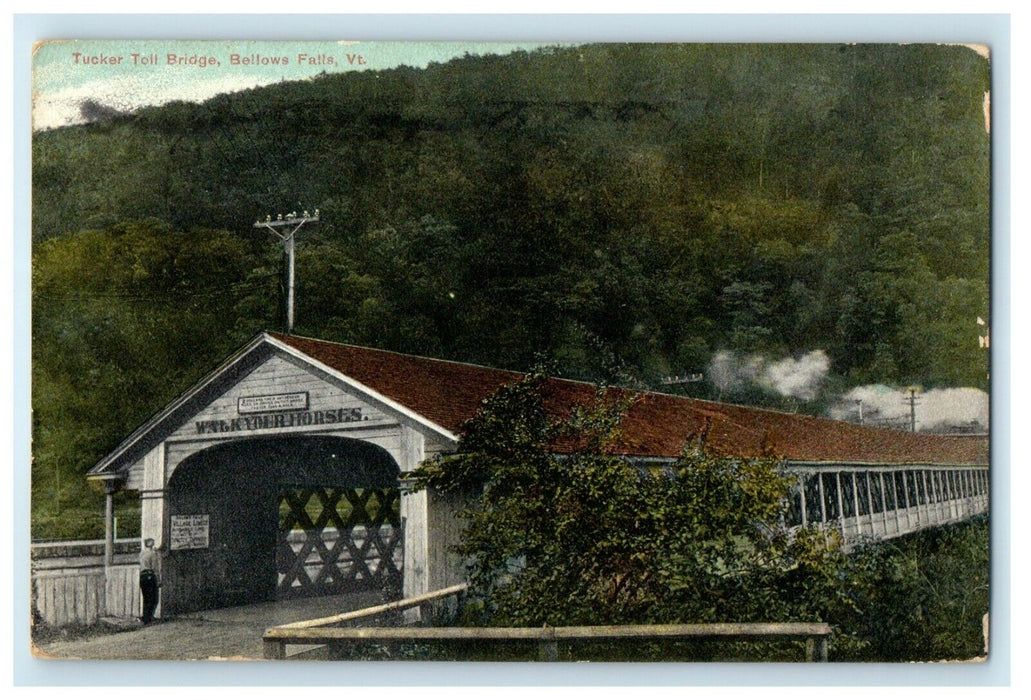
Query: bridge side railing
(881, 502)
(326, 631)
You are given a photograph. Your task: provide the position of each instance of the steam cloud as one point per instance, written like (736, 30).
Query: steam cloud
(935, 409)
(802, 378)
(799, 378)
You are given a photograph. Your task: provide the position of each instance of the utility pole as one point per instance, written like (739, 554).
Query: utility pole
(286, 221)
(912, 408)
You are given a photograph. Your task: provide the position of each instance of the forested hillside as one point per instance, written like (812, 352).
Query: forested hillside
(624, 211)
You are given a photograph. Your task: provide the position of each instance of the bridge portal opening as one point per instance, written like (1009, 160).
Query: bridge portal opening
(281, 518)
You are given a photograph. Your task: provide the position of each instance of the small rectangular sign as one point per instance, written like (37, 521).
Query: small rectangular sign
(297, 401)
(189, 532)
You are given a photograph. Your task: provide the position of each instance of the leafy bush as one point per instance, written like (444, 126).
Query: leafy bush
(585, 537)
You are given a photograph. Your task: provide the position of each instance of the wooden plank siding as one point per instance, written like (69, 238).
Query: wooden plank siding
(277, 376)
(81, 596)
(122, 592)
(70, 585)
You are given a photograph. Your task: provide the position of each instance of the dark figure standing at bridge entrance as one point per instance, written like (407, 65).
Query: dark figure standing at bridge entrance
(150, 568)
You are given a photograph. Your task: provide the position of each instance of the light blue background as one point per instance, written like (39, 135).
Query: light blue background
(993, 30)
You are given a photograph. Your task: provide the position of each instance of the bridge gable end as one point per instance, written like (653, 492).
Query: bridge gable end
(267, 390)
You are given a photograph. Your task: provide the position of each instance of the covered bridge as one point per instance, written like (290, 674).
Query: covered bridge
(279, 473)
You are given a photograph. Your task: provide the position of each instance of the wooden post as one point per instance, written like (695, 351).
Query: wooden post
(932, 500)
(292, 220)
(971, 490)
(273, 649)
(869, 500)
(964, 492)
(855, 500)
(972, 485)
(929, 486)
(947, 490)
(905, 495)
(288, 246)
(547, 649)
(823, 500)
(801, 491)
(109, 522)
(957, 494)
(895, 502)
(841, 503)
(939, 498)
(884, 502)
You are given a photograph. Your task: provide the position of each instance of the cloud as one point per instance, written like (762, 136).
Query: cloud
(935, 408)
(799, 378)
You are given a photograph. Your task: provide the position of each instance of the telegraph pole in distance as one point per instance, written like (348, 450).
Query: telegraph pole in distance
(285, 221)
(912, 401)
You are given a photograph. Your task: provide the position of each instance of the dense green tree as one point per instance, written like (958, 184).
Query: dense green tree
(124, 319)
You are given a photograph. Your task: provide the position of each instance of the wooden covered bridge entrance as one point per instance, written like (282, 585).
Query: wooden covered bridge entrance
(281, 473)
(276, 477)
(286, 517)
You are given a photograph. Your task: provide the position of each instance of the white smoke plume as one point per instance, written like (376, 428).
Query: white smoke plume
(936, 409)
(798, 378)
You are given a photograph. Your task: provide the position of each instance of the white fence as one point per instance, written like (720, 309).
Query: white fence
(71, 585)
(84, 595)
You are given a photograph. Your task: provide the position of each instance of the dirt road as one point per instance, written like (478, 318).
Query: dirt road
(229, 633)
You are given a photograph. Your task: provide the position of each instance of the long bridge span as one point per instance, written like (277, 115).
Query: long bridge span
(862, 502)
(865, 502)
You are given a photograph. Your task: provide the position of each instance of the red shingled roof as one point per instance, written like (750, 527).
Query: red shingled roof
(656, 425)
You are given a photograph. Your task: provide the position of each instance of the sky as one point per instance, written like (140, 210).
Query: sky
(124, 75)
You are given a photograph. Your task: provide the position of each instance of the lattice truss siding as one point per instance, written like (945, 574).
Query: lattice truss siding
(338, 539)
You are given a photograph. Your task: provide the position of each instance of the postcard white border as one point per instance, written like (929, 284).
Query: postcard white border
(991, 29)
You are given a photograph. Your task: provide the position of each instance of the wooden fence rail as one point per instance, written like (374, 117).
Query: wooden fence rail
(815, 635)
(395, 606)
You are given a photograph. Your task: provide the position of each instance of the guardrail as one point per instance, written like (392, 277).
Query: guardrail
(815, 635)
